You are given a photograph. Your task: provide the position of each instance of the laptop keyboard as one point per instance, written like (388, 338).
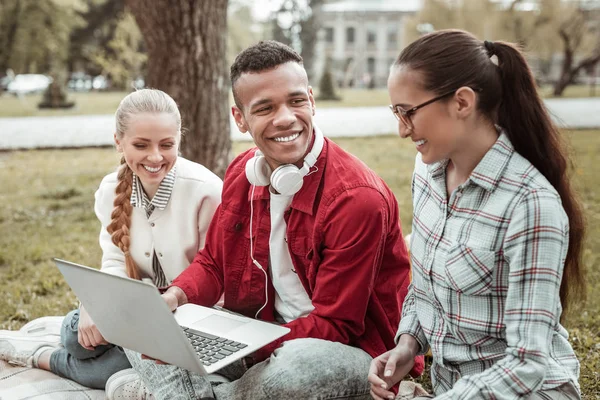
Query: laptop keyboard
(211, 348)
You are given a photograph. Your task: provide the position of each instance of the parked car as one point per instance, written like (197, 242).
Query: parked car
(82, 82)
(28, 83)
(100, 83)
(4, 81)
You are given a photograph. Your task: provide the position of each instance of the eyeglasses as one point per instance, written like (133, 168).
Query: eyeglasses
(404, 115)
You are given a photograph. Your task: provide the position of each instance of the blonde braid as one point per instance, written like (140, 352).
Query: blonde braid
(121, 218)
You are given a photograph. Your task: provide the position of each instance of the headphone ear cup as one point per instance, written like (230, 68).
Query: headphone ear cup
(287, 180)
(258, 171)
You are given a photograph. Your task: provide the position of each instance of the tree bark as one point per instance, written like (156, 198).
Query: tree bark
(308, 36)
(186, 42)
(569, 72)
(9, 30)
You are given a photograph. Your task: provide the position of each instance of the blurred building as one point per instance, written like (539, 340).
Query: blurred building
(360, 39)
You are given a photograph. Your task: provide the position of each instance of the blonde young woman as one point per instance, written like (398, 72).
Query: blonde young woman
(154, 214)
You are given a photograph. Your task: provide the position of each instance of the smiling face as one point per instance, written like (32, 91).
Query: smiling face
(277, 108)
(434, 130)
(150, 146)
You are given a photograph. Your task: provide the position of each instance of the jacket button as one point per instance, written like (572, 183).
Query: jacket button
(160, 254)
(147, 254)
(238, 226)
(152, 224)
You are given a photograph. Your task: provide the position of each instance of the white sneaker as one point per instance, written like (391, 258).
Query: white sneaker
(20, 349)
(43, 326)
(126, 385)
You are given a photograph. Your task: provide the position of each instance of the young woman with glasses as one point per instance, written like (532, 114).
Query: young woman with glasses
(497, 229)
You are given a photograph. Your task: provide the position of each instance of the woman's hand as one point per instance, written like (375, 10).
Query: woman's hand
(389, 368)
(88, 334)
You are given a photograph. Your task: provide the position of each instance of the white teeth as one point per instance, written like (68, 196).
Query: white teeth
(287, 138)
(420, 142)
(152, 169)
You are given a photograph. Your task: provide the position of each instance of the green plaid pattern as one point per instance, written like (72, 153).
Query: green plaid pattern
(487, 266)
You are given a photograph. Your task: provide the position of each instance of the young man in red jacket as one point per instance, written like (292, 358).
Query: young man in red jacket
(306, 235)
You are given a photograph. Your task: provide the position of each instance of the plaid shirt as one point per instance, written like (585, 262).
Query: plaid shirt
(487, 267)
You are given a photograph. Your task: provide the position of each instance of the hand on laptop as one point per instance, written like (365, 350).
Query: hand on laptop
(88, 334)
(174, 297)
(145, 357)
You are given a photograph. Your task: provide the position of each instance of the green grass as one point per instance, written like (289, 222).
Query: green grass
(107, 102)
(48, 197)
(571, 92)
(85, 104)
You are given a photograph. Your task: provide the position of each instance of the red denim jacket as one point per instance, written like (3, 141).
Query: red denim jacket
(345, 242)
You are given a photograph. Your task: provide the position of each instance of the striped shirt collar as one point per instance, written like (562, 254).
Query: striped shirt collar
(160, 200)
(490, 169)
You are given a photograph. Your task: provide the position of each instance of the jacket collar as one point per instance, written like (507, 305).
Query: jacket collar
(305, 199)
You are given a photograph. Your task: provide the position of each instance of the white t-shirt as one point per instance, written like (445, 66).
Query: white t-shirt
(291, 300)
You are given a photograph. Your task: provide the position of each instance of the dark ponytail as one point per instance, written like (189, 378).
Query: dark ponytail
(530, 129)
(450, 59)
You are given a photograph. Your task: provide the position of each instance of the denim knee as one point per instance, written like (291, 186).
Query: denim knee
(68, 332)
(320, 365)
(70, 341)
(91, 372)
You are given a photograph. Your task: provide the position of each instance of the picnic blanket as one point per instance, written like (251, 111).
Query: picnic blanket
(20, 383)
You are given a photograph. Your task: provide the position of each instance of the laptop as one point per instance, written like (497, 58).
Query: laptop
(133, 315)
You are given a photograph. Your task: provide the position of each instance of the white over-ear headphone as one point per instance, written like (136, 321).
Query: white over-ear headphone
(286, 179)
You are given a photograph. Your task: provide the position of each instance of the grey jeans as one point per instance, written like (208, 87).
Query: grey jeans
(299, 369)
(91, 368)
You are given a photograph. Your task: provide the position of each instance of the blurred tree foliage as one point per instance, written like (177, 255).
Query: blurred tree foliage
(123, 58)
(35, 34)
(241, 32)
(544, 28)
(98, 37)
(297, 24)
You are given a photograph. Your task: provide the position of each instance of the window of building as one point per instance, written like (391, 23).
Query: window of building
(392, 36)
(329, 35)
(371, 36)
(371, 65)
(350, 35)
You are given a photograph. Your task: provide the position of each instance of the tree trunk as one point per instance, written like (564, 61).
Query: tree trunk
(565, 74)
(308, 36)
(186, 42)
(8, 29)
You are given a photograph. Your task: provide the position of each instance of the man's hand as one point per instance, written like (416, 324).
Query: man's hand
(88, 334)
(159, 362)
(174, 297)
(389, 368)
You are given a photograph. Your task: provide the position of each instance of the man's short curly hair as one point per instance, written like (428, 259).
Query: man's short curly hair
(263, 56)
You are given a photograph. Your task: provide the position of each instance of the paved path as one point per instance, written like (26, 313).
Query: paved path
(96, 130)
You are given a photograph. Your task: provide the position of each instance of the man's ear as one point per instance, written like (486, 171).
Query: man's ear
(238, 116)
(118, 144)
(465, 102)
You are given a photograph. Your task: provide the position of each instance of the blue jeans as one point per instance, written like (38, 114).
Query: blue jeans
(91, 368)
(299, 369)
